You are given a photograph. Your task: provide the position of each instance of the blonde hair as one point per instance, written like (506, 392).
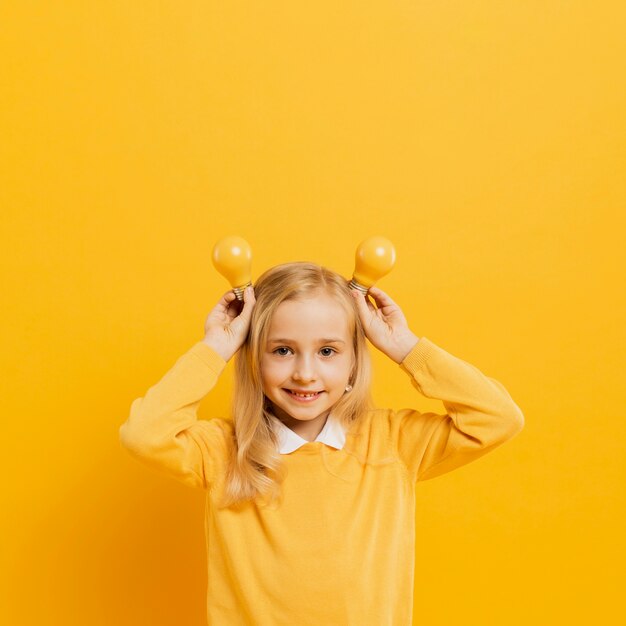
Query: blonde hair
(255, 468)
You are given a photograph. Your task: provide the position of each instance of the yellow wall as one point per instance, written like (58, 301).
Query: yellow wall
(485, 139)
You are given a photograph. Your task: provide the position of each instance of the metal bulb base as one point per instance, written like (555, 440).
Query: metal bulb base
(239, 291)
(361, 288)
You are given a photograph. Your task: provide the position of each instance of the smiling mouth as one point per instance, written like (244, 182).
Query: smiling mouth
(308, 397)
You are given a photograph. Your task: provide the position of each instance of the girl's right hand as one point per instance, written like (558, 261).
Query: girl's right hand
(226, 327)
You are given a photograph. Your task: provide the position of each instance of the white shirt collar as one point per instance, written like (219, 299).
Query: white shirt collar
(332, 434)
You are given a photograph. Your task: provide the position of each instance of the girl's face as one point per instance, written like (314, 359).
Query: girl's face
(309, 350)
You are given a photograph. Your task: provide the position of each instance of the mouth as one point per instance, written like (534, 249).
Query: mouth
(302, 397)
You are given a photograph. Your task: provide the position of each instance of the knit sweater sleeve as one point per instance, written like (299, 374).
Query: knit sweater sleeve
(163, 431)
(480, 414)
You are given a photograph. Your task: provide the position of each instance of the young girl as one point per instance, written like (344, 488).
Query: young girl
(310, 489)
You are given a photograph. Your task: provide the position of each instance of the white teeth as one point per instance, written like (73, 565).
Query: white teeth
(303, 395)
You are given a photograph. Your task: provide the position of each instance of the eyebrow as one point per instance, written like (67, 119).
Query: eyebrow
(292, 341)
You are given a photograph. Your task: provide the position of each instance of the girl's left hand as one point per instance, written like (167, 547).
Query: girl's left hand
(385, 326)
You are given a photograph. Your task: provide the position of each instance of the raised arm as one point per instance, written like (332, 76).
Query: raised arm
(481, 415)
(163, 430)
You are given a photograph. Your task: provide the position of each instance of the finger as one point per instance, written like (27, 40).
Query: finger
(380, 296)
(363, 305)
(227, 299)
(229, 305)
(234, 309)
(248, 303)
(370, 305)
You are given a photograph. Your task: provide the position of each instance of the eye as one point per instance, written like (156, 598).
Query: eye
(332, 350)
(280, 353)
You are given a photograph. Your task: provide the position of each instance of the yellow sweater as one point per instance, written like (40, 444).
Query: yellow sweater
(340, 548)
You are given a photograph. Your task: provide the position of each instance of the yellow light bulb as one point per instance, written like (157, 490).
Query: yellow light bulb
(232, 258)
(375, 257)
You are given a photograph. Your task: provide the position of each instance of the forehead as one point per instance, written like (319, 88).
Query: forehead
(311, 318)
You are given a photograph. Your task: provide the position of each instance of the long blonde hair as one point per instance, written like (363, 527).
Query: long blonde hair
(255, 468)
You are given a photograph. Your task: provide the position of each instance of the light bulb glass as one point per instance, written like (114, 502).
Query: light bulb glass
(375, 257)
(232, 258)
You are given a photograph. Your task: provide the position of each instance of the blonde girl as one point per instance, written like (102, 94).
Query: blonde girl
(310, 489)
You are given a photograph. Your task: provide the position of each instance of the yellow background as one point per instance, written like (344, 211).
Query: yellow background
(485, 139)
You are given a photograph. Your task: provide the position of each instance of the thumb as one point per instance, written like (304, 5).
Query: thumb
(241, 323)
(248, 303)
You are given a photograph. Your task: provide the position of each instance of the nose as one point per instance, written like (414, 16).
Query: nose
(304, 369)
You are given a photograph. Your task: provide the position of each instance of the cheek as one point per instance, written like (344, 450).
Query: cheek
(272, 373)
(339, 372)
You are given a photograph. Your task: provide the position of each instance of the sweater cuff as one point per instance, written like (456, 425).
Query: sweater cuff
(208, 356)
(418, 355)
